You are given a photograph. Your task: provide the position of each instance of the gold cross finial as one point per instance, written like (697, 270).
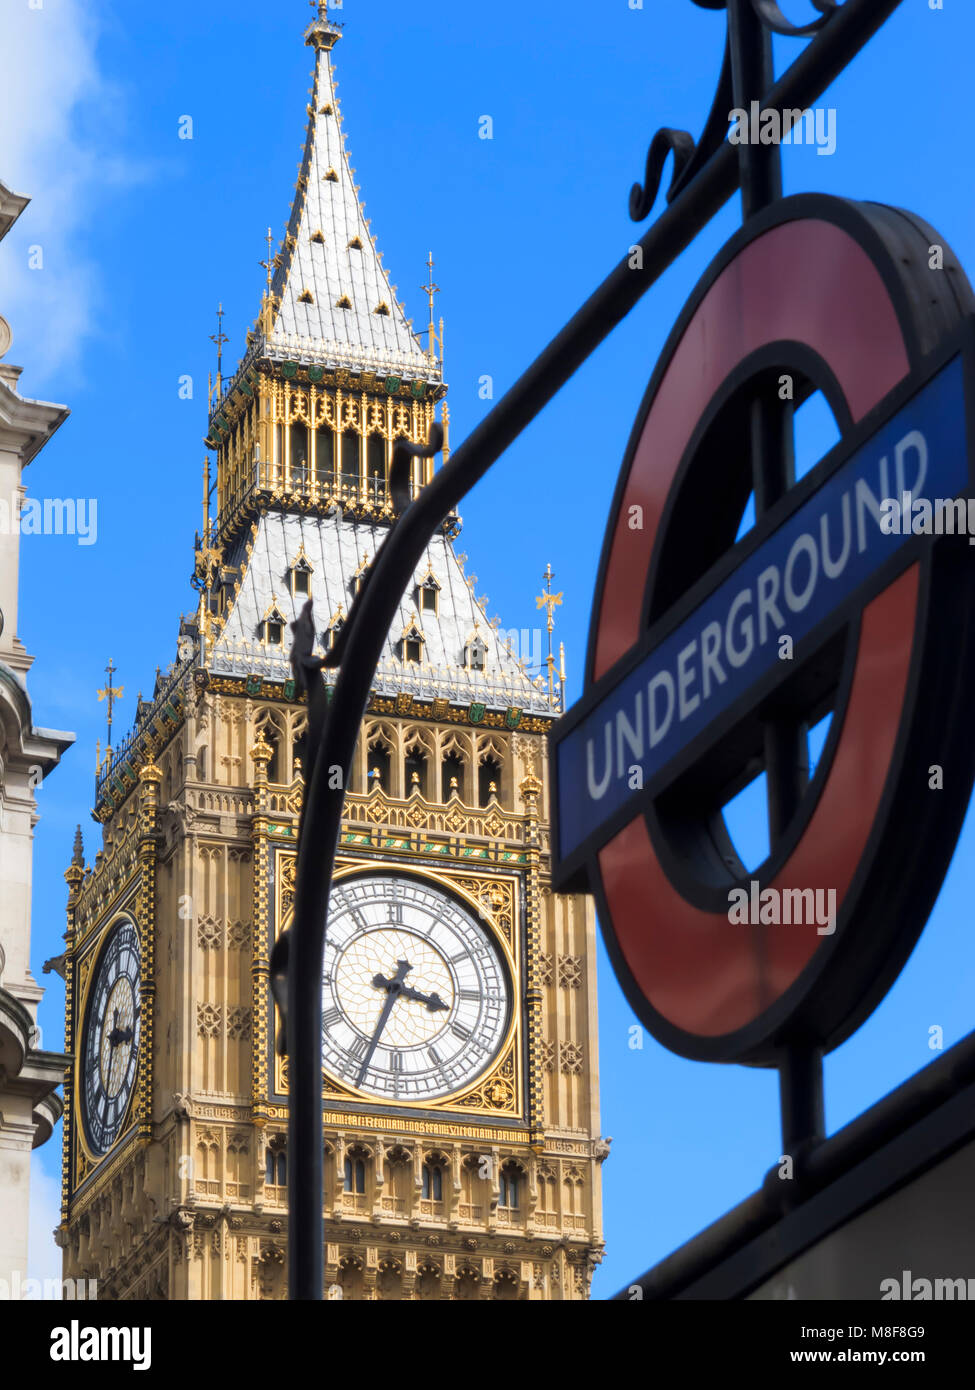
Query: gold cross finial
(269, 263)
(548, 599)
(431, 290)
(111, 694)
(219, 338)
(550, 602)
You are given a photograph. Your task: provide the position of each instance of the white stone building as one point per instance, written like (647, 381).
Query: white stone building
(29, 1104)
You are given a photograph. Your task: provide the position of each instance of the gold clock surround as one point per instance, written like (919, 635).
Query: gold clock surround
(498, 1091)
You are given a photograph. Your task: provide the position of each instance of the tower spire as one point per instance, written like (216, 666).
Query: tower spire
(329, 301)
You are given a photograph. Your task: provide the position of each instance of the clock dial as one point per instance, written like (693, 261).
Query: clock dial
(110, 1048)
(415, 995)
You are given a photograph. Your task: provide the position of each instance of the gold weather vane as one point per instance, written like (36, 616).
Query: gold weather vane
(111, 694)
(550, 601)
(431, 290)
(219, 338)
(269, 263)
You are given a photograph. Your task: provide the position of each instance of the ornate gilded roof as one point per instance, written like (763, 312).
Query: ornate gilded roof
(335, 304)
(335, 547)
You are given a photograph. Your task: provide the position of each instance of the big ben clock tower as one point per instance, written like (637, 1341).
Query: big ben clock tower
(459, 1066)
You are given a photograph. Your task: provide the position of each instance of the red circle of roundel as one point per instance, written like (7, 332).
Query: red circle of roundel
(703, 987)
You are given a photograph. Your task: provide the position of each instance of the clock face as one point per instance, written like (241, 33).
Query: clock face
(415, 995)
(111, 1038)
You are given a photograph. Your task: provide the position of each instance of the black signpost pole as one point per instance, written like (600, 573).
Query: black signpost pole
(773, 473)
(709, 172)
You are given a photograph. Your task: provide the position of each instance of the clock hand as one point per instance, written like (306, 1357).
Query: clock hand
(393, 989)
(119, 1035)
(432, 1001)
(104, 1105)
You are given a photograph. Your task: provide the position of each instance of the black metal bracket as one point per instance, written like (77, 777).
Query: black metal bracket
(842, 32)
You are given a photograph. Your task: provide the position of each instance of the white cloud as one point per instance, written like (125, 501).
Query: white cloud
(43, 1256)
(58, 109)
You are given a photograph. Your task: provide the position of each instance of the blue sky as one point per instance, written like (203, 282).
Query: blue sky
(143, 233)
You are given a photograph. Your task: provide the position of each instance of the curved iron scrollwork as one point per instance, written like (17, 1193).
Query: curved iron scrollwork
(690, 156)
(772, 17)
(679, 143)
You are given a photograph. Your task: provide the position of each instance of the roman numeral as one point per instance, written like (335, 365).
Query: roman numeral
(330, 1018)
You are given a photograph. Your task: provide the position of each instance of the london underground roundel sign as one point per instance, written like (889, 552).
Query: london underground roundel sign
(852, 594)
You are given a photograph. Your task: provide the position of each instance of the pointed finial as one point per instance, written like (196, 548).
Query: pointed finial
(219, 338)
(431, 290)
(110, 694)
(269, 264)
(549, 601)
(78, 857)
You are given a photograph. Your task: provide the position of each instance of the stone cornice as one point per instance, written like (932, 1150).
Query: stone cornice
(26, 425)
(11, 206)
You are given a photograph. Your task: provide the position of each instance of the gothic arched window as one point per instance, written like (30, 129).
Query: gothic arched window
(300, 575)
(276, 1163)
(379, 765)
(427, 594)
(475, 652)
(452, 777)
(299, 456)
(272, 626)
(432, 1190)
(355, 1175)
(331, 634)
(351, 453)
(411, 642)
(488, 781)
(415, 768)
(510, 1183)
(376, 467)
(325, 457)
